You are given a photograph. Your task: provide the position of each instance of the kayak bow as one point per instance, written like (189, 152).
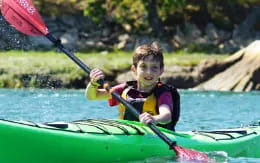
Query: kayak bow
(113, 141)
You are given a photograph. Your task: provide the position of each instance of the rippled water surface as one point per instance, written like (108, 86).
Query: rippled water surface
(200, 110)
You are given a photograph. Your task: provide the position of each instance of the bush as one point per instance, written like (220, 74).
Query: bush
(60, 7)
(147, 15)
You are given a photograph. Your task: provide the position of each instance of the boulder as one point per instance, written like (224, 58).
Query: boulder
(241, 71)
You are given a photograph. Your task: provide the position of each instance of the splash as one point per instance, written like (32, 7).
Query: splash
(184, 154)
(218, 156)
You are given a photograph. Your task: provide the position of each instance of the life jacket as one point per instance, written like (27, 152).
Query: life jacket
(149, 103)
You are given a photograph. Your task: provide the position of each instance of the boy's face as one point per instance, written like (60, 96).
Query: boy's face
(147, 71)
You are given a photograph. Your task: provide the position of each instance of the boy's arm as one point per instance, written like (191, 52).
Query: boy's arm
(165, 108)
(163, 117)
(165, 111)
(94, 93)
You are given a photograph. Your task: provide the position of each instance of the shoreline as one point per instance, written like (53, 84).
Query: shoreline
(49, 69)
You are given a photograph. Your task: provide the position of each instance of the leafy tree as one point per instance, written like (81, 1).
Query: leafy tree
(138, 15)
(60, 7)
(156, 16)
(130, 14)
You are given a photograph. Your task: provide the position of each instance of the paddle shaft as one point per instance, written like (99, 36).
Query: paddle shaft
(133, 111)
(57, 43)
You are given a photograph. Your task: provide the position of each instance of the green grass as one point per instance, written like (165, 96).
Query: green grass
(32, 68)
(182, 58)
(51, 60)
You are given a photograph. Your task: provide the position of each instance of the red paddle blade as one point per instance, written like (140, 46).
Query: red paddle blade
(184, 154)
(24, 17)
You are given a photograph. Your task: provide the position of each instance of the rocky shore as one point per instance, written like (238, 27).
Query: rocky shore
(82, 34)
(239, 72)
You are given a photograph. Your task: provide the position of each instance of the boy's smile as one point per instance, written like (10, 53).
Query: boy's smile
(147, 73)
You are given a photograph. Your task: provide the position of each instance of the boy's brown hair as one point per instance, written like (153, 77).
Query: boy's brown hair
(145, 50)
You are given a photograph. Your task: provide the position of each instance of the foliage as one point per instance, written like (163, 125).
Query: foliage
(134, 15)
(130, 14)
(60, 7)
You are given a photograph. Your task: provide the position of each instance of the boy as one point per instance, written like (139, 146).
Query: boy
(150, 97)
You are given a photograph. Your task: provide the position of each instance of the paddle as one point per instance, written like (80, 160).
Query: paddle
(26, 19)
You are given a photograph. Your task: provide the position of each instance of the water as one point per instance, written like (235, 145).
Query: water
(200, 110)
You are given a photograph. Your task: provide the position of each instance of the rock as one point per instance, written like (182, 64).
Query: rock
(69, 39)
(192, 30)
(228, 46)
(79, 32)
(126, 76)
(40, 42)
(211, 32)
(68, 21)
(179, 76)
(123, 39)
(242, 73)
(247, 25)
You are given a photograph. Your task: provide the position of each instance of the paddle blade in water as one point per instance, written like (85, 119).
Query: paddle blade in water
(184, 154)
(24, 17)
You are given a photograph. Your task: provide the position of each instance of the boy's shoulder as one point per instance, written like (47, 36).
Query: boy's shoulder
(161, 88)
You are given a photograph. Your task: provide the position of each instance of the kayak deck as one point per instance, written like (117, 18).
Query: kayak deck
(114, 140)
(228, 140)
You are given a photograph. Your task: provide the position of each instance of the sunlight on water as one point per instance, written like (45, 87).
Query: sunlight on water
(220, 156)
(50, 105)
(215, 110)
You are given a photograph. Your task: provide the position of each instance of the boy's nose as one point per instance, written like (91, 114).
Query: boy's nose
(149, 71)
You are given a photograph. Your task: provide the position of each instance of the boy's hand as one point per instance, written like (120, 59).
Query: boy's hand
(147, 118)
(96, 75)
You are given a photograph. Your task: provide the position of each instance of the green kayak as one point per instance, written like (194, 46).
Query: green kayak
(113, 141)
